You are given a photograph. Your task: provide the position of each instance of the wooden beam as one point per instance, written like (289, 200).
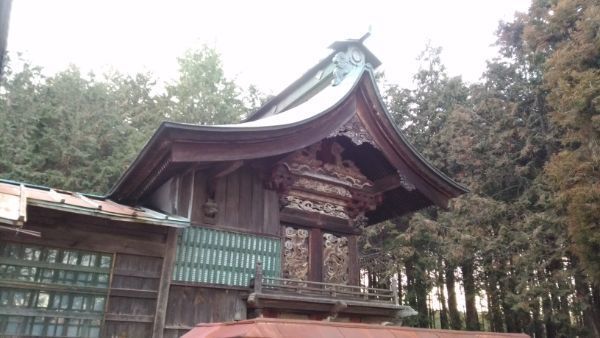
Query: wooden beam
(315, 220)
(353, 266)
(87, 240)
(22, 206)
(224, 169)
(387, 183)
(121, 317)
(316, 255)
(165, 283)
(132, 293)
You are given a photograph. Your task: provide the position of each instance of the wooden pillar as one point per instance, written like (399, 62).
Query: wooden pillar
(165, 283)
(5, 7)
(353, 264)
(258, 278)
(316, 255)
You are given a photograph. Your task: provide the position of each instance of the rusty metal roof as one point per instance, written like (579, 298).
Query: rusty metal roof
(288, 328)
(15, 196)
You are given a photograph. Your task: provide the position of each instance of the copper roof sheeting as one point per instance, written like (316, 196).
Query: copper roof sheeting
(14, 198)
(287, 328)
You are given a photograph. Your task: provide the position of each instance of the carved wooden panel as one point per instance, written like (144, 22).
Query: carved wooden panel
(335, 259)
(316, 206)
(318, 180)
(295, 253)
(355, 131)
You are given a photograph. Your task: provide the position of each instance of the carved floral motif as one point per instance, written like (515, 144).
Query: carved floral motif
(295, 254)
(335, 259)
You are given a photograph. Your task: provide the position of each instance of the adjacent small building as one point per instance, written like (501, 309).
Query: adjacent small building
(223, 223)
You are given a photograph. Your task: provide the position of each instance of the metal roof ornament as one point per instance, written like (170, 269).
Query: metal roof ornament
(344, 63)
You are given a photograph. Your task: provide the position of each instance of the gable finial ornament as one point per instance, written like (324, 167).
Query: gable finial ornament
(344, 63)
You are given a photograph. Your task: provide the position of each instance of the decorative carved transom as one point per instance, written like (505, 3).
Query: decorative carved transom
(317, 179)
(335, 259)
(295, 254)
(317, 206)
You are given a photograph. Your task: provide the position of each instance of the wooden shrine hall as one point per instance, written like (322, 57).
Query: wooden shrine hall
(223, 223)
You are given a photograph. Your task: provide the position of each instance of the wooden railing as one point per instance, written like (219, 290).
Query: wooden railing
(273, 285)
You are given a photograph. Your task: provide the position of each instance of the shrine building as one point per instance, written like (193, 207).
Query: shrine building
(249, 221)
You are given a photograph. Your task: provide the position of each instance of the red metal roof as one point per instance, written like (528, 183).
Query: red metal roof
(14, 197)
(288, 328)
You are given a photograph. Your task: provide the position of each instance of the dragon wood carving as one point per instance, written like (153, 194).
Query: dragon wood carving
(295, 254)
(335, 259)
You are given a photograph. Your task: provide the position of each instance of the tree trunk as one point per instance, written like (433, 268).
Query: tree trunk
(399, 274)
(421, 293)
(558, 295)
(590, 316)
(495, 314)
(596, 304)
(538, 328)
(471, 318)
(411, 297)
(441, 296)
(551, 331)
(509, 316)
(455, 322)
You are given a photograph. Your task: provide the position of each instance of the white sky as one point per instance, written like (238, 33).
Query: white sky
(267, 43)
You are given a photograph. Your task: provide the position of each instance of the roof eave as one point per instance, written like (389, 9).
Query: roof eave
(450, 187)
(169, 221)
(170, 133)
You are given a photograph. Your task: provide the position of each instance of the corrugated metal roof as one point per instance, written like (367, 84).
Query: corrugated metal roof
(280, 328)
(15, 196)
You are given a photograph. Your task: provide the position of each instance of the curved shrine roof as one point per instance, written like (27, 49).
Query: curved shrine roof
(333, 93)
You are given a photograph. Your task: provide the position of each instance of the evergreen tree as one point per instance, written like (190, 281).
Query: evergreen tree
(202, 94)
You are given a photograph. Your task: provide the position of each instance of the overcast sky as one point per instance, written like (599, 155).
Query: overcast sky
(267, 43)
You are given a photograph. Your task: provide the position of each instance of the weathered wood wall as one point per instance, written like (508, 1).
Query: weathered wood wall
(137, 251)
(244, 205)
(190, 305)
(242, 201)
(132, 296)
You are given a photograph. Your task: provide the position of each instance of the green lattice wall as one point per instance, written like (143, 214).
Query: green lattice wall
(221, 257)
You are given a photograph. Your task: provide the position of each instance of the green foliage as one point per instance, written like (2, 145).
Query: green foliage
(525, 140)
(202, 94)
(79, 132)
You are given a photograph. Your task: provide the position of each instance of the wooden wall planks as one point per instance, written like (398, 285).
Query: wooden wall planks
(132, 296)
(189, 305)
(242, 201)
